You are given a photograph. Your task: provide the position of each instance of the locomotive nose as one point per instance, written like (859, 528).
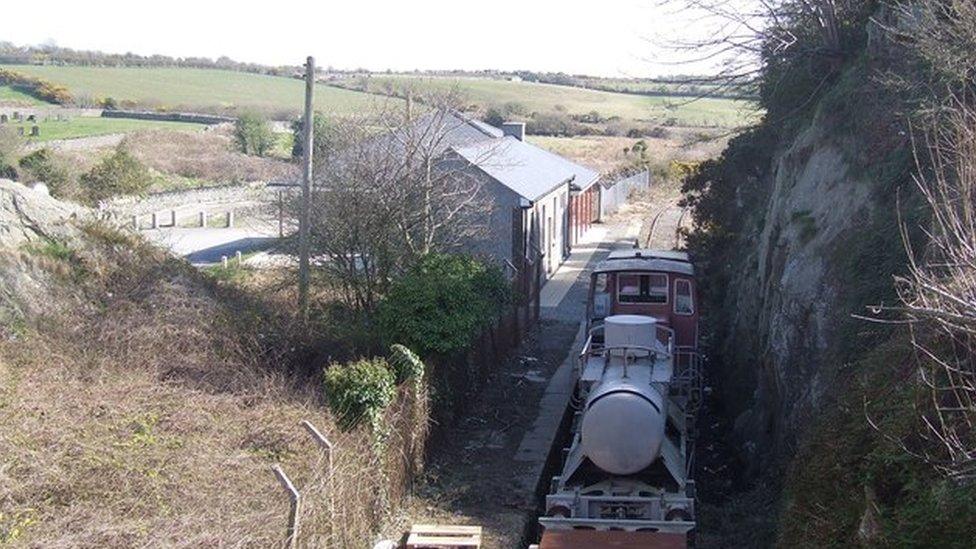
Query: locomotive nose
(622, 431)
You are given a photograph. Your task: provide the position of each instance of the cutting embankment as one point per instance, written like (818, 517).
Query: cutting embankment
(835, 246)
(141, 403)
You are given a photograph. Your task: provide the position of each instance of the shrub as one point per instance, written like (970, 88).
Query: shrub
(253, 135)
(494, 116)
(359, 390)
(42, 165)
(320, 137)
(556, 124)
(405, 363)
(439, 305)
(117, 174)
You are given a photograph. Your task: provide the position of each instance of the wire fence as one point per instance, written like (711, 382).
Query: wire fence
(616, 194)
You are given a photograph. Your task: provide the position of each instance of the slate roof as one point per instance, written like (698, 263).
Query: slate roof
(529, 171)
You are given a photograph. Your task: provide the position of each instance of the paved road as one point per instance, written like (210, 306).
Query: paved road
(207, 246)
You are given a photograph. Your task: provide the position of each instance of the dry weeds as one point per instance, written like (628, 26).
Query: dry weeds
(208, 155)
(146, 406)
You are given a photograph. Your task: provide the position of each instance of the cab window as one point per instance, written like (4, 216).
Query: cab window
(642, 288)
(683, 301)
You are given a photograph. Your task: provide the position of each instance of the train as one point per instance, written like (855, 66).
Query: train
(626, 478)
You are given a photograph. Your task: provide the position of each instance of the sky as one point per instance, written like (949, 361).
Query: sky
(597, 37)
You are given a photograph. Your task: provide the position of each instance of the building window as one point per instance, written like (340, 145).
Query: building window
(642, 288)
(684, 303)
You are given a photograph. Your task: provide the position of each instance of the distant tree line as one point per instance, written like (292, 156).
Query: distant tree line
(56, 55)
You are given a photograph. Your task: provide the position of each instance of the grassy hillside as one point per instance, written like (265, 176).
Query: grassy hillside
(91, 126)
(197, 89)
(551, 98)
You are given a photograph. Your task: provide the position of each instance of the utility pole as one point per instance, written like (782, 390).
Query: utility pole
(305, 216)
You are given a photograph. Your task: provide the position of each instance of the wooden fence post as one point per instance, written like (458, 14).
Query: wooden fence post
(292, 532)
(327, 448)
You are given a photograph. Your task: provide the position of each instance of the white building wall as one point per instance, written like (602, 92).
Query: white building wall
(550, 211)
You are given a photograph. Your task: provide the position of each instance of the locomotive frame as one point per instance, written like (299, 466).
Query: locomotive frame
(649, 288)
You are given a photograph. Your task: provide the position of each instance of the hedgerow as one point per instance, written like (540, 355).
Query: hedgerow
(37, 87)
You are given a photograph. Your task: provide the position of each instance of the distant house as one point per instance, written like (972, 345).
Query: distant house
(535, 202)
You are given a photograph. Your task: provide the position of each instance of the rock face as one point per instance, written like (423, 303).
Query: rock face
(785, 299)
(27, 215)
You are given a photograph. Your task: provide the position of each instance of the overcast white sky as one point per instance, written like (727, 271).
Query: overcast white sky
(600, 37)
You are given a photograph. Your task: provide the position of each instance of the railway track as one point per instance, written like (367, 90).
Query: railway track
(660, 222)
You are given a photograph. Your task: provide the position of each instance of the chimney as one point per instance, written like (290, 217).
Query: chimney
(514, 129)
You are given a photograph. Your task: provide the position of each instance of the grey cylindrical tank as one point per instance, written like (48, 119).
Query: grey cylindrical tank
(623, 427)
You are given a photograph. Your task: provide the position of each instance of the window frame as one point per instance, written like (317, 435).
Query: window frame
(691, 297)
(667, 288)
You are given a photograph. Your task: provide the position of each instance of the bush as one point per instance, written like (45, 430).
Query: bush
(405, 363)
(42, 165)
(253, 135)
(320, 137)
(117, 174)
(359, 390)
(439, 305)
(555, 124)
(494, 116)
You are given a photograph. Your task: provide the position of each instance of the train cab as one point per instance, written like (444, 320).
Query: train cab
(659, 284)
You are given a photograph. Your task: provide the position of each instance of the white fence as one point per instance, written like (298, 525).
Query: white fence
(618, 192)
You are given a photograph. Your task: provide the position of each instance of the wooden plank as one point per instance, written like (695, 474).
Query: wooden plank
(439, 541)
(439, 528)
(574, 539)
(442, 536)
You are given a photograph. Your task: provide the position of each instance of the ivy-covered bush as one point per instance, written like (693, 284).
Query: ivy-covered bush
(406, 364)
(359, 391)
(440, 304)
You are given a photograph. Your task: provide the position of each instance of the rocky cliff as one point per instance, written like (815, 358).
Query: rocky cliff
(800, 234)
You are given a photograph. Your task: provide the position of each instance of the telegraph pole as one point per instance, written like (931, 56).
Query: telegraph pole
(304, 217)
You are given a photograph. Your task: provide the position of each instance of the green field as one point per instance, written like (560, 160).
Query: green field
(198, 89)
(10, 96)
(92, 126)
(538, 97)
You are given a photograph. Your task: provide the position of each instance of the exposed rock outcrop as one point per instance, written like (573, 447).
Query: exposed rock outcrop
(28, 216)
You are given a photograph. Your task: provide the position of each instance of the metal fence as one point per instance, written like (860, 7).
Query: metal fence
(618, 192)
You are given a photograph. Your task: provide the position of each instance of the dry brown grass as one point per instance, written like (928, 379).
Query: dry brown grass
(208, 155)
(606, 154)
(146, 405)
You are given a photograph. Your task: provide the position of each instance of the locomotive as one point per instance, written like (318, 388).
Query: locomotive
(627, 472)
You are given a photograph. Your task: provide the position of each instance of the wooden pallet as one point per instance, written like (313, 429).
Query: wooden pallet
(441, 536)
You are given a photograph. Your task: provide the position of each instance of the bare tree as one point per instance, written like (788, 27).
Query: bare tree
(938, 296)
(392, 189)
(748, 38)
